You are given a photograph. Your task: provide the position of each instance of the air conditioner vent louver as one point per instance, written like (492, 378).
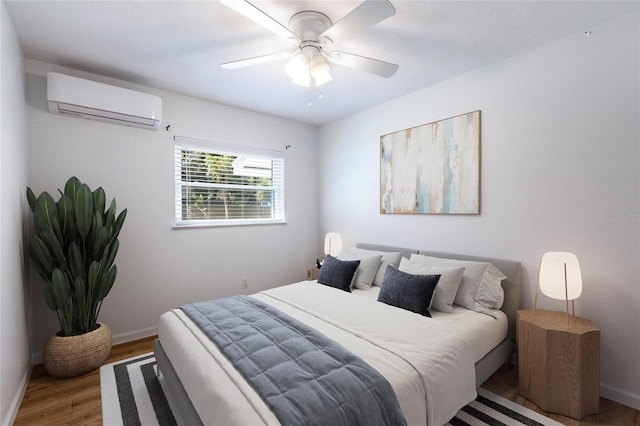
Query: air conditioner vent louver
(98, 101)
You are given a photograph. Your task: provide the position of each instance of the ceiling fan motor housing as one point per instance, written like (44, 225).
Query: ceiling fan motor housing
(308, 25)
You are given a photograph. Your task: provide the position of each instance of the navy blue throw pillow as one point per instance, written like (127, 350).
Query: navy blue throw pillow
(338, 273)
(407, 291)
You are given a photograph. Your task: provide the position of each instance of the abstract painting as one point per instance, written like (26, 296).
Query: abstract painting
(433, 168)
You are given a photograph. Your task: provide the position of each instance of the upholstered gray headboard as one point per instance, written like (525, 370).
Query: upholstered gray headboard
(510, 268)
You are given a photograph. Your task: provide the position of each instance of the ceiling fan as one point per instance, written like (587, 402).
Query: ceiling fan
(313, 35)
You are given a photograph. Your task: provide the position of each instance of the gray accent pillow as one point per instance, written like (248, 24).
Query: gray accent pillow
(388, 258)
(338, 273)
(407, 291)
(366, 270)
(447, 288)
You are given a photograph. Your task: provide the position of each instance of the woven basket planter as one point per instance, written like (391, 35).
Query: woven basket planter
(75, 355)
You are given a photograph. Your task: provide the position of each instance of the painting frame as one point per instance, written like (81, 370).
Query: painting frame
(433, 168)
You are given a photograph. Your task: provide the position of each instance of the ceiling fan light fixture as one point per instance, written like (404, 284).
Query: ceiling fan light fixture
(319, 69)
(322, 80)
(297, 67)
(302, 68)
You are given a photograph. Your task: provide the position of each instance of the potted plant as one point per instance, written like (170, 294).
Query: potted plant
(73, 249)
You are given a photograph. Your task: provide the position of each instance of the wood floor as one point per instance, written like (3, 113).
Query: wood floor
(76, 401)
(50, 401)
(504, 382)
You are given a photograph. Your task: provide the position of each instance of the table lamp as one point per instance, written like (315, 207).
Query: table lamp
(559, 278)
(332, 243)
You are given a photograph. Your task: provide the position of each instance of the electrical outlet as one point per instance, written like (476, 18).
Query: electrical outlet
(245, 283)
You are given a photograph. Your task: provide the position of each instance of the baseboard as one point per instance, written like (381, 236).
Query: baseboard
(116, 340)
(618, 395)
(134, 335)
(17, 399)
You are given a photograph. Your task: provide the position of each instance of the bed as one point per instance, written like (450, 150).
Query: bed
(430, 385)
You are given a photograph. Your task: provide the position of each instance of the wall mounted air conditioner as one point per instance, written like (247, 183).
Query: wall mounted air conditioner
(97, 101)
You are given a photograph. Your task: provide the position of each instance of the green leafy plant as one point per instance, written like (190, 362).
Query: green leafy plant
(73, 249)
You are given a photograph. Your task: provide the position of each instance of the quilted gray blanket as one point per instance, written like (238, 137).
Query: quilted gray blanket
(303, 376)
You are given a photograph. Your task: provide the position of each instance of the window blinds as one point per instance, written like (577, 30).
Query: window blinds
(220, 184)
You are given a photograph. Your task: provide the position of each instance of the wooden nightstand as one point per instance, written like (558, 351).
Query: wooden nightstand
(559, 364)
(314, 273)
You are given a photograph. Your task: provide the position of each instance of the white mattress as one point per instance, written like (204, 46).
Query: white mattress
(419, 356)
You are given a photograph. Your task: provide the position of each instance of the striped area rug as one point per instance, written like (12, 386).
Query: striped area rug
(491, 409)
(133, 394)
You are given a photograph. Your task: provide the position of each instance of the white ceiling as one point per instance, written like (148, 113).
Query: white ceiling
(178, 45)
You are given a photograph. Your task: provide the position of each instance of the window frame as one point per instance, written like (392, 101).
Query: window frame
(278, 182)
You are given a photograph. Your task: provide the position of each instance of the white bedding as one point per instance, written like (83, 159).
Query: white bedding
(483, 331)
(429, 362)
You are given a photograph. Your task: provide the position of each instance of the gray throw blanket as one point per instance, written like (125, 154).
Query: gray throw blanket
(302, 375)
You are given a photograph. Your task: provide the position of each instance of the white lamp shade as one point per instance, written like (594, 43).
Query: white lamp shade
(552, 275)
(319, 69)
(332, 243)
(302, 68)
(322, 78)
(297, 67)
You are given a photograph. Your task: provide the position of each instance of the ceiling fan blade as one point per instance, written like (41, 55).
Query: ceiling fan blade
(370, 65)
(368, 13)
(255, 60)
(248, 10)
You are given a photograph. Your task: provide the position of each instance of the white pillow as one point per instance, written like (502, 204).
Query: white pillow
(366, 270)
(491, 293)
(480, 288)
(448, 284)
(388, 258)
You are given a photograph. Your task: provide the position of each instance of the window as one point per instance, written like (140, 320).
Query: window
(217, 184)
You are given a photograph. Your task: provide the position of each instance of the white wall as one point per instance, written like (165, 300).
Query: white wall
(14, 337)
(559, 171)
(159, 267)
